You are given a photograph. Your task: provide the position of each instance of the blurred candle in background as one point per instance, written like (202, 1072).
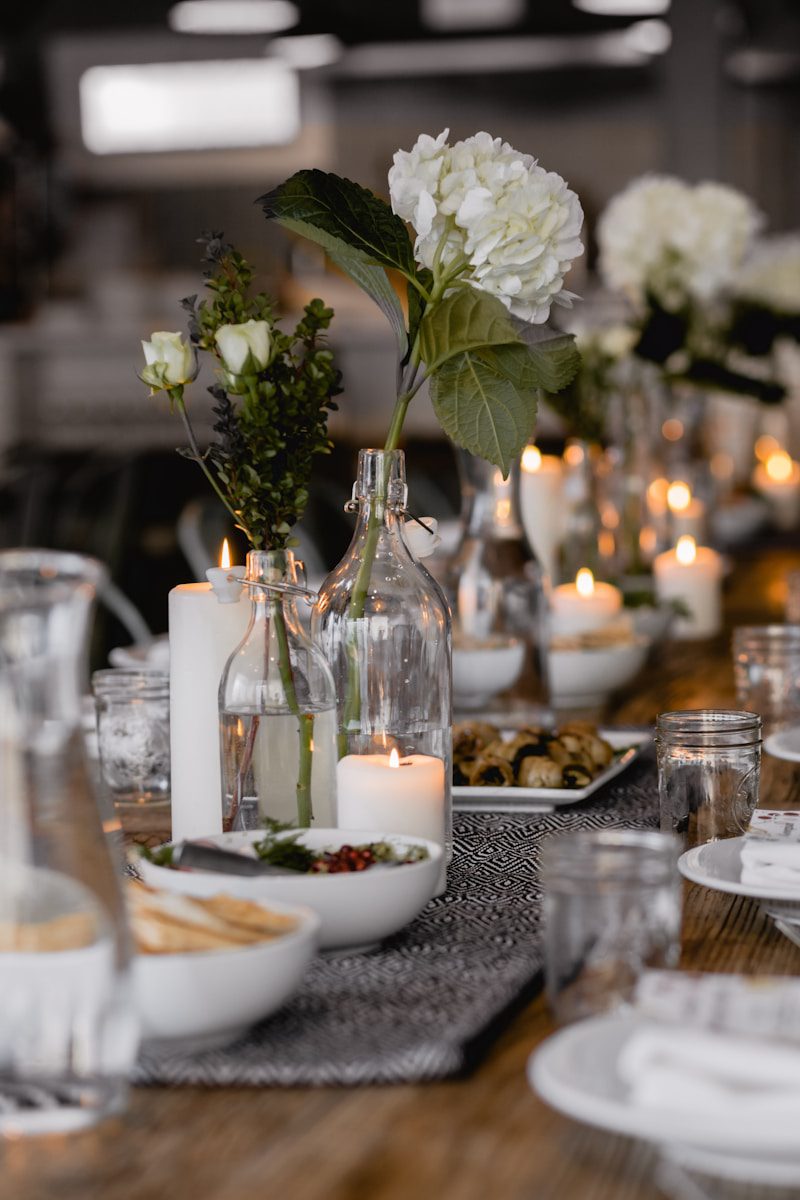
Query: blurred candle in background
(692, 575)
(777, 479)
(540, 497)
(687, 513)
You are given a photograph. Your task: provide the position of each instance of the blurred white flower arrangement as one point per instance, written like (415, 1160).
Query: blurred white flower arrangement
(771, 275)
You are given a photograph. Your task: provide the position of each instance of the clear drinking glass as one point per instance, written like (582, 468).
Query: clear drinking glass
(766, 667)
(133, 735)
(709, 762)
(68, 1032)
(277, 708)
(384, 626)
(612, 909)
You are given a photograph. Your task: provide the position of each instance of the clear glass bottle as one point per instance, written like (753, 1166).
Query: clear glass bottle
(277, 708)
(68, 1031)
(384, 627)
(496, 589)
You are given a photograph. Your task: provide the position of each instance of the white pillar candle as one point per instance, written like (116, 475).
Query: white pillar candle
(202, 635)
(778, 481)
(584, 605)
(693, 575)
(540, 493)
(687, 513)
(392, 794)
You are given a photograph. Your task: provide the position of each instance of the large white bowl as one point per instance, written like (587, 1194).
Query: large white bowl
(201, 1000)
(588, 677)
(356, 909)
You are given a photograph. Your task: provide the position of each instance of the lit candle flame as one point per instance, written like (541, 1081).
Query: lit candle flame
(766, 446)
(779, 467)
(531, 459)
(679, 496)
(686, 549)
(225, 556)
(672, 429)
(574, 455)
(394, 758)
(584, 582)
(657, 495)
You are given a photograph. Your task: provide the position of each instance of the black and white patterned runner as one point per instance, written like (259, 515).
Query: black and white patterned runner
(429, 1002)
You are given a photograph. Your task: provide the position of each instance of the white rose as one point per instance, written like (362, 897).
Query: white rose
(238, 343)
(514, 226)
(170, 361)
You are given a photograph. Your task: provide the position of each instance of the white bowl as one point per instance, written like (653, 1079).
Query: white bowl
(483, 669)
(356, 909)
(588, 677)
(197, 1001)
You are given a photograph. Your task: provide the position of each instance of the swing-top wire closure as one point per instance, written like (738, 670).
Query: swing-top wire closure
(352, 506)
(289, 589)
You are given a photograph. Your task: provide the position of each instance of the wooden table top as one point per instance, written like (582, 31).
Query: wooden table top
(483, 1138)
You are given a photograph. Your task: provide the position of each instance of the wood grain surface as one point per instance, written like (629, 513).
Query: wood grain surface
(481, 1138)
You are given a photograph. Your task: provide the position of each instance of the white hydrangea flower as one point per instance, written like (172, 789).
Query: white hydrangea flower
(169, 361)
(675, 240)
(514, 226)
(771, 275)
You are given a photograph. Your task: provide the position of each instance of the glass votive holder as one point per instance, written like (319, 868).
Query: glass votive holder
(766, 668)
(709, 763)
(612, 909)
(133, 735)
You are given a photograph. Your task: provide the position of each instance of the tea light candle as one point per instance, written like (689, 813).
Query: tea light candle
(693, 575)
(584, 605)
(203, 634)
(540, 487)
(687, 513)
(392, 794)
(778, 481)
(225, 579)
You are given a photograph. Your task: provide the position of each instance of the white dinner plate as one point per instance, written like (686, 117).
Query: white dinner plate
(522, 799)
(575, 1071)
(718, 865)
(785, 743)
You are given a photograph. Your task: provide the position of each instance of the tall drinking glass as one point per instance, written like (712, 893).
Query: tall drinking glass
(766, 666)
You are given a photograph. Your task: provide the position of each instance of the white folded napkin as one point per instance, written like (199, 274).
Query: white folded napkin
(771, 850)
(717, 1075)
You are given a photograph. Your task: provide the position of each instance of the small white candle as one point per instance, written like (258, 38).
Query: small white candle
(693, 575)
(392, 794)
(540, 488)
(584, 605)
(778, 481)
(202, 635)
(687, 513)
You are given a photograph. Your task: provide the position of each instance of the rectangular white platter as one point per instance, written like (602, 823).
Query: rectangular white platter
(520, 799)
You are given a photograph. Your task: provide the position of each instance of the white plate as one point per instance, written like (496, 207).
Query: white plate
(718, 865)
(356, 909)
(522, 799)
(575, 1071)
(784, 744)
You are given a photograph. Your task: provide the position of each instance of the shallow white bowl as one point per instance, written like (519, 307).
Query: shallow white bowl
(356, 909)
(481, 671)
(586, 677)
(197, 1001)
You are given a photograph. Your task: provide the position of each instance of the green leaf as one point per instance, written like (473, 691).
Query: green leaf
(354, 261)
(483, 410)
(464, 320)
(546, 360)
(328, 205)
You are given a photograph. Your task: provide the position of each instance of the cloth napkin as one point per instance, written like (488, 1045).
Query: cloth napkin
(771, 851)
(716, 1076)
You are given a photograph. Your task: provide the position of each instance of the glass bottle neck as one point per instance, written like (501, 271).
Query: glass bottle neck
(490, 503)
(380, 492)
(268, 577)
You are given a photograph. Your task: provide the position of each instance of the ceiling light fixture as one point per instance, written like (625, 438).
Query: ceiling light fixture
(306, 51)
(623, 8)
(233, 16)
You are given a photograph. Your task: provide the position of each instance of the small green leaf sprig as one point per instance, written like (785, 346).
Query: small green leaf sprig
(273, 396)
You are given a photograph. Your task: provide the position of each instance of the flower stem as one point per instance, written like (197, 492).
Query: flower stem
(176, 395)
(305, 721)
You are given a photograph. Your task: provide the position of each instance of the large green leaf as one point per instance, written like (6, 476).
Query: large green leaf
(482, 409)
(547, 360)
(464, 320)
(371, 278)
(328, 205)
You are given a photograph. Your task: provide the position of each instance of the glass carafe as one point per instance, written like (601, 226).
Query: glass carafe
(384, 627)
(68, 1033)
(496, 590)
(277, 710)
